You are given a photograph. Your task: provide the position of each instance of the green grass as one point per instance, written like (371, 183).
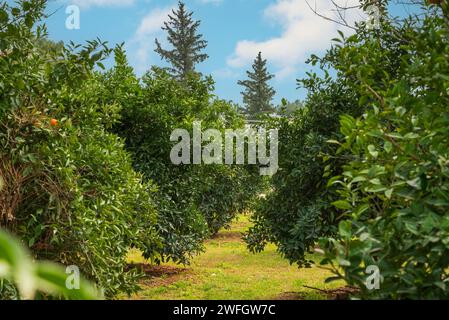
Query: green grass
(228, 271)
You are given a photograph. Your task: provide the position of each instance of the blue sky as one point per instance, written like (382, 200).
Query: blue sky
(286, 31)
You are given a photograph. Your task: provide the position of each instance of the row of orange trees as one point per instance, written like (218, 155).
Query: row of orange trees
(365, 165)
(84, 156)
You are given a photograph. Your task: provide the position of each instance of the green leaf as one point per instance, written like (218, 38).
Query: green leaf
(389, 193)
(412, 228)
(395, 135)
(375, 133)
(334, 142)
(334, 180)
(11, 251)
(376, 189)
(441, 285)
(48, 277)
(344, 229)
(13, 255)
(438, 202)
(342, 204)
(361, 209)
(343, 262)
(372, 151)
(388, 146)
(415, 183)
(52, 279)
(359, 179)
(411, 136)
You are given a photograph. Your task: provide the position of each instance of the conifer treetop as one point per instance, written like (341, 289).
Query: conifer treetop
(187, 44)
(258, 94)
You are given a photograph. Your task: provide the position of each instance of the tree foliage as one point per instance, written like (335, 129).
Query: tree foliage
(394, 189)
(193, 201)
(298, 211)
(70, 192)
(364, 165)
(187, 44)
(258, 94)
(84, 154)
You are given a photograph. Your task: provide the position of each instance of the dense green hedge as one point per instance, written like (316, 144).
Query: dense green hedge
(299, 210)
(85, 156)
(194, 201)
(395, 189)
(70, 191)
(364, 165)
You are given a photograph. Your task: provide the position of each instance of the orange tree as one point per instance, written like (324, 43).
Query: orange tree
(299, 210)
(394, 190)
(194, 201)
(69, 189)
(364, 167)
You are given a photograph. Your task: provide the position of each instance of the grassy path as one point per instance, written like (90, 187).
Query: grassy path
(228, 271)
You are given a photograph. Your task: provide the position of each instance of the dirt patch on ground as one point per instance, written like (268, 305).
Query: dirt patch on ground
(228, 236)
(290, 296)
(156, 276)
(344, 293)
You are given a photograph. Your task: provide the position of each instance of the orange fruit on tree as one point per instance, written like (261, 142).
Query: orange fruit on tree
(54, 122)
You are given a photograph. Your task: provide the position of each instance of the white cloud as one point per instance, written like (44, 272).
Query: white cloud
(102, 3)
(303, 33)
(225, 73)
(215, 2)
(153, 22)
(142, 43)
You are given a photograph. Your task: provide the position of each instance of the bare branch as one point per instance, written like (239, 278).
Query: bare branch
(342, 22)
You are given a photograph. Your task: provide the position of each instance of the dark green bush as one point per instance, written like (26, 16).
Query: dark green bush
(70, 192)
(299, 210)
(194, 201)
(395, 189)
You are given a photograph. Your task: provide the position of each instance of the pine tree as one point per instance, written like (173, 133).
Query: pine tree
(186, 42)
(258, 94)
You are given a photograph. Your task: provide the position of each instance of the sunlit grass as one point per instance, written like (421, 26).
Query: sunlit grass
(227, 270)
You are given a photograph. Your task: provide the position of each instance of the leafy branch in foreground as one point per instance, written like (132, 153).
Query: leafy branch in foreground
(33, 279)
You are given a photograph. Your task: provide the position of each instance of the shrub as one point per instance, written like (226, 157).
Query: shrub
(298, 210)
(395, 188)
(70, 192)
(302, 207)
(193, 201)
